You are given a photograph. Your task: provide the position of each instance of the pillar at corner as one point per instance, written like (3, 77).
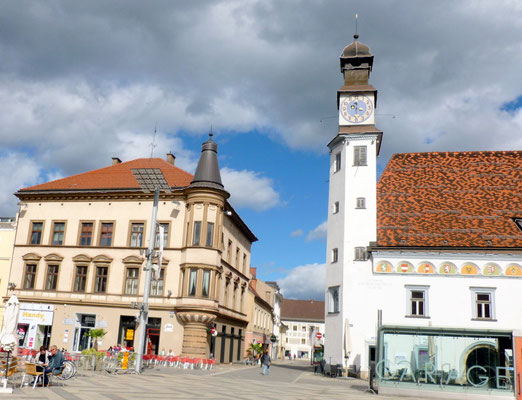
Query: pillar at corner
(195, 335)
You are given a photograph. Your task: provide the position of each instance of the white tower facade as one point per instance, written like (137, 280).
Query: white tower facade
(352, 212)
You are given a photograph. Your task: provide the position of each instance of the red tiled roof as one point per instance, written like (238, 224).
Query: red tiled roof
(117, 176)
(465, 199)
(302, 310)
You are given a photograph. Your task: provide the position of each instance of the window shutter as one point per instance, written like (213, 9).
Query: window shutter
(356, 157)
(362, 155)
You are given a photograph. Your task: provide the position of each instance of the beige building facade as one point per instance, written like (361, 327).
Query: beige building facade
(7, 237)
(260, 313)
(78, 260)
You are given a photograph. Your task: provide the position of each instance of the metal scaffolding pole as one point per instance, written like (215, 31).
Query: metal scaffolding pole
(144, 309)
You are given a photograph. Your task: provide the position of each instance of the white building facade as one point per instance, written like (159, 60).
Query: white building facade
(425, 267)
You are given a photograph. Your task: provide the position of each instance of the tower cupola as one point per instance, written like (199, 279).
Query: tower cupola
(356, 63)
(207, 172)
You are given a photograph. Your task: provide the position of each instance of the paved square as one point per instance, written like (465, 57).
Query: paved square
(287, 380)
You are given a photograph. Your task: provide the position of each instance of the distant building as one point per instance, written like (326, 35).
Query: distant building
(7, 238)
(304, 319)
(277, 346)
(78, 262)
(260, 308)
(424, 269)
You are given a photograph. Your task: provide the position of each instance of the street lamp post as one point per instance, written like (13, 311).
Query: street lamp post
(144, 309)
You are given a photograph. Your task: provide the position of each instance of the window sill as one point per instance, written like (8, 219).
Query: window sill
(417, 316)
(333, 312)
(360, 165)
(484, 319)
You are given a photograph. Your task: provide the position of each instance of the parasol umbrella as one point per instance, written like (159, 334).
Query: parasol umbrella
(8, 337)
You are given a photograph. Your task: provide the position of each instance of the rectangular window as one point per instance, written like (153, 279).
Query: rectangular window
(30, 276)
(58, 232)
(359, 156)
(335, 255)
(295, 328)
(303, 328)
(333, 299)
(337, 163)
(360, 254)
(52, 277)
(86, 233)
(100, 283)
(193, 281)
(229, 252)
(206, 283)
(237, 257)
(484, 303)
(303, 341)
(156, 286)
(106, 234)
(210, 234)
(137, 229)
(36, 232)
(197, 233)
(80, 278)
(244, 262)
(165, 235)
(417, 301)
(335, 208)
(361, 202)
(131, 280)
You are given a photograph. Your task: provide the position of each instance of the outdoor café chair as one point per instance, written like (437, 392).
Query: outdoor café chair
(30, 370)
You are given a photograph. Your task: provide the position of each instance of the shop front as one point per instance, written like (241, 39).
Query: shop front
(35, 323)
(448, 361)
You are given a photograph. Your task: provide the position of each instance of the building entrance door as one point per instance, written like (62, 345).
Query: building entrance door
(84, 323)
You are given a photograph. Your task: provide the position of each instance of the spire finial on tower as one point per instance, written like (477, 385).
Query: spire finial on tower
(356, 36)
(210, 133)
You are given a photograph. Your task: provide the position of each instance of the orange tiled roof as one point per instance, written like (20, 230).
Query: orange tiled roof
(117, 176)
(302, 310)
(465, 199)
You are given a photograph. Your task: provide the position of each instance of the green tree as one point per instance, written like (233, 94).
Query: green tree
(96, 334)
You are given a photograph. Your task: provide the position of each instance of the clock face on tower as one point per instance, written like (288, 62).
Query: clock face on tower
(356, 109)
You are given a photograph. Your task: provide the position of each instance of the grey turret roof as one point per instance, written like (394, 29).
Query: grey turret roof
(207, 173)
(356, 49)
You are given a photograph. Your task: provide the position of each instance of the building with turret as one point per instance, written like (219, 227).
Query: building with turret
(78, 259)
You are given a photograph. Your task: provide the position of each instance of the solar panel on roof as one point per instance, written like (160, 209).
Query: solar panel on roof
(151, 178)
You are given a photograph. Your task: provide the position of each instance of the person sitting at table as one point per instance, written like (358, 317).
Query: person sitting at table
(41, 360)
(55, 364)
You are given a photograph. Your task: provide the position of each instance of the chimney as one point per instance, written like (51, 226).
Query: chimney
(253, 271)
(116, 160)
(171, 158)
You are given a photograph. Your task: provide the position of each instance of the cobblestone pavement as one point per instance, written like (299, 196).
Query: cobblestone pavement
(287, 380)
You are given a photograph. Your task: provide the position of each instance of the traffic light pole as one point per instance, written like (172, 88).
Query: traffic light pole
(144, 309)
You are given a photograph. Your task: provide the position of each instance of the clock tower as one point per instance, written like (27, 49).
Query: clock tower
(352, 214)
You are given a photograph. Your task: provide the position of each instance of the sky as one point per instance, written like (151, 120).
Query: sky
(81, 82)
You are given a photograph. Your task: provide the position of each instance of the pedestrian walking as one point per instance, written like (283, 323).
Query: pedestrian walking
(266, 361)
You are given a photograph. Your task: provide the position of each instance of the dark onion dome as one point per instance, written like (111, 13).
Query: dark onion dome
(356, 49)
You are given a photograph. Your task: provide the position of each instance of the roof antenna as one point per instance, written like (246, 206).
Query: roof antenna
(153, 144)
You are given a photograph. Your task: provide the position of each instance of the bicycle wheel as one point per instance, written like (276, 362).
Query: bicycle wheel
(69, 370)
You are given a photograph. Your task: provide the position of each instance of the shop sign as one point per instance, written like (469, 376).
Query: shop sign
(35, 317)
(101, 324)
(129, 334)
(68, 321)
(168, 328)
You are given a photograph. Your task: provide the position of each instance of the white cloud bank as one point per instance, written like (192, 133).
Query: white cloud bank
(304, 282)
(249, 189)
(318, 233)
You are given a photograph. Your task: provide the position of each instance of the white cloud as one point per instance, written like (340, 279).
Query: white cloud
(297, 233)
(304, 282)
(18, 170)
(318, 233)
(249, 189)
